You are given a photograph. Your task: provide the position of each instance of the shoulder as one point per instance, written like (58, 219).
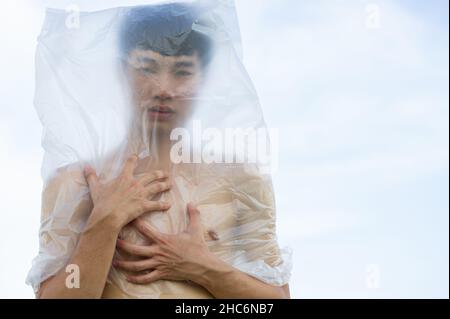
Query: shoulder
(243, 180)
(72, 174)
(65, 183)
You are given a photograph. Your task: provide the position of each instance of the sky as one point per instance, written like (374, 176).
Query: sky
(359, 93)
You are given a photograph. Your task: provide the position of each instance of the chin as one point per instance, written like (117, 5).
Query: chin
(161, 126)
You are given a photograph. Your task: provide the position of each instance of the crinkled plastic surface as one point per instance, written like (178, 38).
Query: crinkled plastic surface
(100, 77)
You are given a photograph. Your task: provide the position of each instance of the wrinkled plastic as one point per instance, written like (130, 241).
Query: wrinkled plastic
(94, 95)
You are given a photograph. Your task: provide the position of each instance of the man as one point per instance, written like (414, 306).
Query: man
(166, 62)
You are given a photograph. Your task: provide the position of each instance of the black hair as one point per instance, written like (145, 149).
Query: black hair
(166, 29)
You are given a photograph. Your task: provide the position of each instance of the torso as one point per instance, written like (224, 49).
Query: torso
(210, 188)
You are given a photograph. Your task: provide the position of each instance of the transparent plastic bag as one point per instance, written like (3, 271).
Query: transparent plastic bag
(165, 82)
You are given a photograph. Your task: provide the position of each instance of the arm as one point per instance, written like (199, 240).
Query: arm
(185, 256)
(257, 233)
(115, 205)
(93, 256)
(226, 282)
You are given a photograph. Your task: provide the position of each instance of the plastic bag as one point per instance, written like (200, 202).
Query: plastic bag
(166, 82)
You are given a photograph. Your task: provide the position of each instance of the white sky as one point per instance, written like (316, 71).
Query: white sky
(362, 187)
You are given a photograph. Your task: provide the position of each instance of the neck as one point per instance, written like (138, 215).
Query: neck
(159, 145)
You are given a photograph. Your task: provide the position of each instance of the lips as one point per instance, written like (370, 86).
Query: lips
(162, 109)
(161, 112)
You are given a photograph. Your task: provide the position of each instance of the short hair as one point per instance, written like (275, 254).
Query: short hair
(166, 29)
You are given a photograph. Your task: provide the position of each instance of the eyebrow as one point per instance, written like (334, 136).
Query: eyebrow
(184, 64)
(147, 60)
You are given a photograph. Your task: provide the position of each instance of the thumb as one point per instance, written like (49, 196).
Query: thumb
(91, 177)
(194, 218)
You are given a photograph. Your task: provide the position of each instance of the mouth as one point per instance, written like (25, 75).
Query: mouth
(161, 112)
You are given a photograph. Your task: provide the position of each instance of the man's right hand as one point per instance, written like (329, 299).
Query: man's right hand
(124, 199)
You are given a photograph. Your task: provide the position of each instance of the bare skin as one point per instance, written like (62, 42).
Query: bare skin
(158, 80)
(170, 82)
(115, 205)
(186, 256)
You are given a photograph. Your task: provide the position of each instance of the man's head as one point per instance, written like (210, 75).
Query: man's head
(165, 59)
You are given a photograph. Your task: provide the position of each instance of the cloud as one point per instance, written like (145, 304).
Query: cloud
(363, 120)
(360, 111)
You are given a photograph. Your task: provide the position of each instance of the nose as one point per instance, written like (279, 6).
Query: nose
(163, 90)
(163, 96)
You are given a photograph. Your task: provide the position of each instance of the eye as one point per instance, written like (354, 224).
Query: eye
(147, 70)
(183, 73)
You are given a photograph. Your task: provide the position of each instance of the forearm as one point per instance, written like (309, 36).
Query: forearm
(226, 282)
(93, 256)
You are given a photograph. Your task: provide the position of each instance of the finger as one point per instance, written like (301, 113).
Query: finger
(145, 279)
(130, 166)
(194, 217)
(136, 266)
(148, 230)
(91, 177)
(132, 249)
(152, 177)
(149, 206)
(156, 188)
(156, 206)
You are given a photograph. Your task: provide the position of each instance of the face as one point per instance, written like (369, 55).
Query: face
(164, 87)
